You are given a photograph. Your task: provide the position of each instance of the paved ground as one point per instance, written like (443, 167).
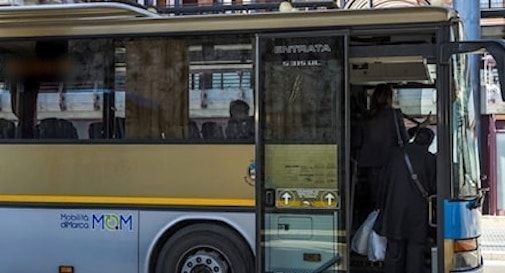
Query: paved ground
(493, 238)
(494, 267)
(493, 244)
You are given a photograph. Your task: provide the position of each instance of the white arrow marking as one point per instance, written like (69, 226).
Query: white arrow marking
(286, 196)
(329, 197)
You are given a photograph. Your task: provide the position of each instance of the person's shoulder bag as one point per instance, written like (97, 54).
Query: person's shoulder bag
(414, 177)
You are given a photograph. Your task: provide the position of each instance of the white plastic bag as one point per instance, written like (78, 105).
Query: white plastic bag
(376, 247)
(360, 240)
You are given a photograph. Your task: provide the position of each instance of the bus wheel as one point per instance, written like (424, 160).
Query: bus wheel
(205, 248)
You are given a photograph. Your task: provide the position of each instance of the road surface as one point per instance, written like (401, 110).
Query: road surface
(494, 267)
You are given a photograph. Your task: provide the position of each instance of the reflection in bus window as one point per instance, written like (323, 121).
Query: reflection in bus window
(53, 89)
(302, 108)
(222, 95)
(137, 89)
(183, 89)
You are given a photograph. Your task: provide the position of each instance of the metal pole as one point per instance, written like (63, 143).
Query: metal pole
(469, 12)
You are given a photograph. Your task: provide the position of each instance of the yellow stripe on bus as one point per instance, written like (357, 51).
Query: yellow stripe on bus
(116, 200)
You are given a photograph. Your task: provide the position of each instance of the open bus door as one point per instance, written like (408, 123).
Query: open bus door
(459, 157)
(301, 156)
(303, 163)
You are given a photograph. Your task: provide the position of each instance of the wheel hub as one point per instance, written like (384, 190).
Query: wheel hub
(204, 262)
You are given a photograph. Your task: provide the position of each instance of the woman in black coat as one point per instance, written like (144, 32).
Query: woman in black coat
(403, 217)
(379, 136)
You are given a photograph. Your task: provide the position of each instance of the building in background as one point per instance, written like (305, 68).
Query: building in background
(493, 110)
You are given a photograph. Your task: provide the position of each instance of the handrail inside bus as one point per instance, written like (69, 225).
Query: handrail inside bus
(101, 9)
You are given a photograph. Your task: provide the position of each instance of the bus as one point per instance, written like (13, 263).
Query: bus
(137, 142)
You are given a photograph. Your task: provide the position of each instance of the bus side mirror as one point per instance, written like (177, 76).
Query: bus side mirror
(494, 47)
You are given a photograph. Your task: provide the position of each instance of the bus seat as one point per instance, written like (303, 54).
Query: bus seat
(7, 129)
(193, 131)
(240, 129)
(211, 130)
(54, 128)
(95, 130)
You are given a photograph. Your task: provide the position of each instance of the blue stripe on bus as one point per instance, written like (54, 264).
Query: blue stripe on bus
(461, 221)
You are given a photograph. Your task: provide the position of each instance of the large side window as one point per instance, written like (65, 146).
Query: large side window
(53, 89)
(134, 89)
(221, 98)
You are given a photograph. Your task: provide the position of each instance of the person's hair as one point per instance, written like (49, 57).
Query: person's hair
(422, 136)
(381, 98)
(238, 106)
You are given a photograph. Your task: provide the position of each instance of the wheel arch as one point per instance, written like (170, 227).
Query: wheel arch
(178, 224)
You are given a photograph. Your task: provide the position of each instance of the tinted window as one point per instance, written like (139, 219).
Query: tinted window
(135, 88)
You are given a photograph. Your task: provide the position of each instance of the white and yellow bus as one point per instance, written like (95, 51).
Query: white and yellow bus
(133, 142)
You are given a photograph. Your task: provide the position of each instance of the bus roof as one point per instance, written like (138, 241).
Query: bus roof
(102, 19)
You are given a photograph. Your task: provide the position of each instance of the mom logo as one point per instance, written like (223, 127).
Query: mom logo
(112, 222)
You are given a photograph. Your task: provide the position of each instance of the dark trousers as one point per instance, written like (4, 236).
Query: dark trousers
(404, 256)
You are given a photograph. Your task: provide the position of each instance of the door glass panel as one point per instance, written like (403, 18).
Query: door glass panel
(301, 142)
(465, 119)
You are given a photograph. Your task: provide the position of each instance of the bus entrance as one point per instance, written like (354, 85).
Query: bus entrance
(301, 153)
(306, 207)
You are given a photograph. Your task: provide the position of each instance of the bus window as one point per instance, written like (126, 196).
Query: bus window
(52, 89)
(185, 88)
(157, 74)
(135, 88)
(221, 88)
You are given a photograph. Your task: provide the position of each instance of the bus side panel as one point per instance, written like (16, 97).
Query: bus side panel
(93, 241)
(153, 224)
(135, 170)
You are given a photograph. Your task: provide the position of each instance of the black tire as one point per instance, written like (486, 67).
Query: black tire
(209, 244)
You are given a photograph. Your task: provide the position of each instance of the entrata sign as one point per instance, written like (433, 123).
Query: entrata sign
(302, 52)
(296, 49)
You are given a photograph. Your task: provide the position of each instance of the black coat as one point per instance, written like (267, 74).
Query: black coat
(404, 212)
(379, 136)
